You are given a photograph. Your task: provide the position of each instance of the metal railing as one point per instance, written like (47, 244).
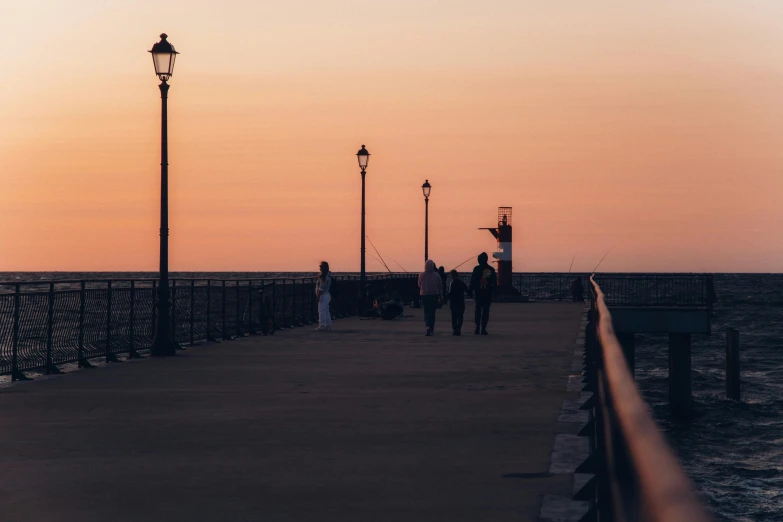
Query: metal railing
(664, 290)
(47, 323)
(625, 289)
(637, 477)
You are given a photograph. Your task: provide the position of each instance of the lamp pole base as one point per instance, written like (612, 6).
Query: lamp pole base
(163, 348)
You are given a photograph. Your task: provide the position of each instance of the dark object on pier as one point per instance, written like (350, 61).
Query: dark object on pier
(732, 364)
(636, 475)
(577, 290)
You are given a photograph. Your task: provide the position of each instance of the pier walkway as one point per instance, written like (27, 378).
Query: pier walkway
(373, 421)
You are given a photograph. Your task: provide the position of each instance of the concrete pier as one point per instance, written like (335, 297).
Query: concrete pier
(372, 421)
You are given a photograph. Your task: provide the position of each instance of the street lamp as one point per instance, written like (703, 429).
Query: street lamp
(163, 344)
(426, 188)
(364, 158)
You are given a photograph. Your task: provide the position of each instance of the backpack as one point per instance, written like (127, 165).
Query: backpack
(334, 288)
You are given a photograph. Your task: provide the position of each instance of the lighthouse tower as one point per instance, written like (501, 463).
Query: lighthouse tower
(503, 234)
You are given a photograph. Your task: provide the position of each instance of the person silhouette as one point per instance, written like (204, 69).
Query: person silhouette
(323, 294)
(431, 290)
(456, 299)
(483, 283)
(443, 280)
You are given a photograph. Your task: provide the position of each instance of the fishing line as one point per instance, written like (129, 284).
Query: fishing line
(399, 265)
(379, 254)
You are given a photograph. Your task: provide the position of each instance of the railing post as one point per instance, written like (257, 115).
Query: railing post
(285, 306)
(132, 353)
(154, 304)
(83, 363)
(224, 335)
(732, 364)
(192, 306)
(15, 373)
(559, 287)
(210, 337)
(173, 304)
(250, 329)
(263, 311)
(274, 305)
(313, 303)
(295, 321)
(50, 367)
(238, 313)
(110, 357)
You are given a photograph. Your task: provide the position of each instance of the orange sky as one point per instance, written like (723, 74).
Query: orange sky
(655, 128)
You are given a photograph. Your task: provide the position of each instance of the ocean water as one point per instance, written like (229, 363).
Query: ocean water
(732, 450)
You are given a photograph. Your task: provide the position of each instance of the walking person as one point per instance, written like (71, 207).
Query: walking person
(456, 299)
(431, 290)
(323, 285)
(443, 280)
(483, 283)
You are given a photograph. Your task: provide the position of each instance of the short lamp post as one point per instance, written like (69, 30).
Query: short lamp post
(163, 344)
(426, 188)
(364, 158)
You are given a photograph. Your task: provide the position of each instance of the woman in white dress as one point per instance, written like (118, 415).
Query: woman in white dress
(322, 287)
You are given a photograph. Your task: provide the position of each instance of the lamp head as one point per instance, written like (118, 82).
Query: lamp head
(426, 188)
(163, 57)
(364, 158)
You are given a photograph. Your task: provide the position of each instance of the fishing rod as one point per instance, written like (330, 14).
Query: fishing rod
(459, 265)
(399, 265)
(572, 264)
(379, 254)
(602, 259)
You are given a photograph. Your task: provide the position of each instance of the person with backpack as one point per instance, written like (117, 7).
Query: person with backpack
(323, 293)
(483, 283)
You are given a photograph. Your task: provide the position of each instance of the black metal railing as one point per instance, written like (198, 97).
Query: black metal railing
(637, 476)
(665, 290)
(47, 323)
(623, 289)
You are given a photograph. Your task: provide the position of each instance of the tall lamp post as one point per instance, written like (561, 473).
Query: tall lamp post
(426, 188)
(364, 158)
(163, 344)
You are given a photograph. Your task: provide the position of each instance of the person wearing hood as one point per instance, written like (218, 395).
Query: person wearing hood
(431, 290)
(483, 283)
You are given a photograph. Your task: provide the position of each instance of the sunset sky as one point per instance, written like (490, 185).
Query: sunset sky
(653, 127)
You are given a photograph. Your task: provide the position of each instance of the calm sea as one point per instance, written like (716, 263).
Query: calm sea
(732, 450)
